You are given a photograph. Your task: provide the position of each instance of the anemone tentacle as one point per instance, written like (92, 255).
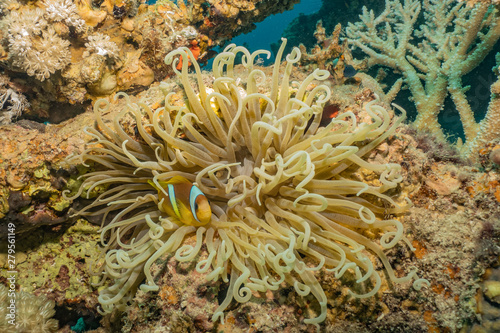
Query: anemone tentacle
(283, 199)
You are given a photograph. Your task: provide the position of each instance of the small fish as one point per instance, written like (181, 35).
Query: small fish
(349, 71)
(330, 111)
(195, 50)
(184, 201)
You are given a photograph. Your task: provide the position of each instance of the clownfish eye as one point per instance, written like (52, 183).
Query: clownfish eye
(195, 207)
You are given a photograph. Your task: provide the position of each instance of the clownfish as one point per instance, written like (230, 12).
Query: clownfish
(184, 201)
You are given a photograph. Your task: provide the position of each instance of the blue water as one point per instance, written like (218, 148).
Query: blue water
(270, 30)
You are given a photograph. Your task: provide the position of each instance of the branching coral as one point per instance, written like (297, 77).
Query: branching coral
(282, 189)
(32, 314)
(453, 41)
(325, 51)
(473, 2)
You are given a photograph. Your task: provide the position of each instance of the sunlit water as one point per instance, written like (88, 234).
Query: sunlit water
(270, 30)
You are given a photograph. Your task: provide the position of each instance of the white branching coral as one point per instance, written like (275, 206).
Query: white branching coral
(101, 44)
(432, 58)
(284, 196)
(64, 11)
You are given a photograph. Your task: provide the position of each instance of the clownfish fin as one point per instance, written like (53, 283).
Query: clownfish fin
(150, 182)
(177, 180)
(185, 213)
(161, 183)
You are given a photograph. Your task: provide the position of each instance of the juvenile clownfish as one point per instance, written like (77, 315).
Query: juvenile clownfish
(184, 201)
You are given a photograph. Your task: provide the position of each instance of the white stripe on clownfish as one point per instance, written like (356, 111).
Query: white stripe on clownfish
(186, 202)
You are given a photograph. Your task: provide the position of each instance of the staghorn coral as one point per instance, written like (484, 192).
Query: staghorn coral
(433, 57)
(474, 2)
(283, 193)
(489, 131)
(32, 313)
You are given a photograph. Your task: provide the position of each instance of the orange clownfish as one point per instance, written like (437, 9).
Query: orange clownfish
(184, 201)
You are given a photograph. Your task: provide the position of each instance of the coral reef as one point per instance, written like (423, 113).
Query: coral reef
(453, 41)
(453, 222)
(89, 49)
(34, 45)
(56, 263)
(32, 313)
(453, 226)
(465, 235)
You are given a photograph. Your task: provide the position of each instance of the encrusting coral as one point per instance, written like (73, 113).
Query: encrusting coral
(433, 57)
(32, 313)
(284, 198)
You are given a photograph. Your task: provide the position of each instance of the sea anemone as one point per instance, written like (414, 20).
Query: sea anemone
(284, 199)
